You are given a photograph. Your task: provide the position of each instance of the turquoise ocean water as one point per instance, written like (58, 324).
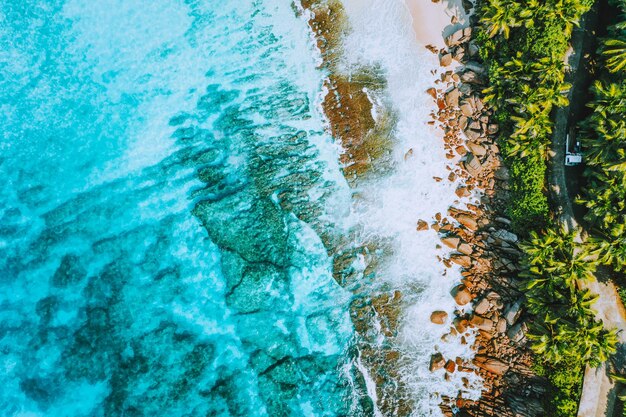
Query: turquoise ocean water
(165, 179)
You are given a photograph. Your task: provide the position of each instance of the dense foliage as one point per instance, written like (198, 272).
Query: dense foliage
(566, 336)
(524, 44)
(604, 144)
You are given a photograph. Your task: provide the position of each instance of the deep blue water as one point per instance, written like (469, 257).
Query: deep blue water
(164, 182)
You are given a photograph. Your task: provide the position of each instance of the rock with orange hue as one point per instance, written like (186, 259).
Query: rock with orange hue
(422, 225)
(432, 92)
(467, 110)
(492, 365)
(460, 325)
(482, 307)
(461, 150)
(467, 221)
(465, 249)
(452, 97)
(481, 323)
(439, 317)
(450, 366)
(462, 260)
(501, 326)
(477, 149)
(451, 241)
(445, 59)
(462, 191)
(462, 296)
(463, 121)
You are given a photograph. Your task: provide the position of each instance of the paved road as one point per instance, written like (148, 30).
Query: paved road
(599, 392)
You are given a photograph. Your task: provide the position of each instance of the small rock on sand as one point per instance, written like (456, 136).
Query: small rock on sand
(445, 59)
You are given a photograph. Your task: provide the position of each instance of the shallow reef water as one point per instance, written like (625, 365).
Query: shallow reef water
(177, 234)
(165, 178)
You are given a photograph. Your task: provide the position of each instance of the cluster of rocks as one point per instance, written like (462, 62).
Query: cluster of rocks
(483, 246)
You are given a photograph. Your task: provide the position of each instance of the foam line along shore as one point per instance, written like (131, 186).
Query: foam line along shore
(395, 161)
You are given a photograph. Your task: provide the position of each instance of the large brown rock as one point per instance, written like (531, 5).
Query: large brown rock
(439, 317)
(492, 365)
(471, 77)
(456, 38)
(473, 135)
(465, 249)
(462, 260)
(501, 326)
(462, 191)
(460, 324)
(452, 97)
(467, 221)
(451, 241)
(461, 295)
(477, 149)
(472, 165)
(482, 307)
(467, 109)
(481, 323)
(463, 121)
(445, 60)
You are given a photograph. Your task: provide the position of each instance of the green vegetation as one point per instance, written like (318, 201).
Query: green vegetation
(621, 380)
(566, 336)
(604, 143)
(523, 44)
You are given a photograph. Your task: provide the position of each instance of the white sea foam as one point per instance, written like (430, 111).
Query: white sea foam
(390, 205)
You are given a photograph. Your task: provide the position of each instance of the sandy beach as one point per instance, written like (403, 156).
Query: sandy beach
(432, 22)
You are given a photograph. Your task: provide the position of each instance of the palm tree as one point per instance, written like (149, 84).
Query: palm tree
(568, 11)
(611, 250)
(559, 340)
(615, 51)
(549, 70)
(581, 302)
(499, 16)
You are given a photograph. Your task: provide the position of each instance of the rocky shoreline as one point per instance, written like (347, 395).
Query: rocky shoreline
(478, 233)
(483, 245)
